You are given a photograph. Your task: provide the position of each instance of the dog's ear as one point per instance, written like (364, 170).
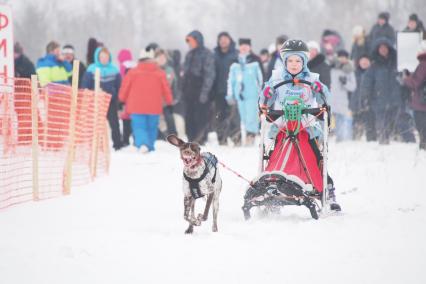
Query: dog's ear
(174, 140)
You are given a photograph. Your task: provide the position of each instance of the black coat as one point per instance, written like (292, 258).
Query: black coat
(379, 85)
(319, 66)
(276, 56)
(24, 68)
(377, 32)
(360, 50)
(81, 72)
(223, 62)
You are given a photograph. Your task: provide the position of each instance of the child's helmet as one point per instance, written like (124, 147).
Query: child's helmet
(294, 45)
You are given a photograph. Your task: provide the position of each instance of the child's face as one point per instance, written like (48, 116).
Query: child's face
(294, 64)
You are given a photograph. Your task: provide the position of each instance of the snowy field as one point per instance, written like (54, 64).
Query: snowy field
(128, 227)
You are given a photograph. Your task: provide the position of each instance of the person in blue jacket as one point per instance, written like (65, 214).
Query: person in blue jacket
(294, 54)
(245, 81)
(110, 83)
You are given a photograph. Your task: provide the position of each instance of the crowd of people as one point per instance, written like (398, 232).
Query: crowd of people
(218, 90)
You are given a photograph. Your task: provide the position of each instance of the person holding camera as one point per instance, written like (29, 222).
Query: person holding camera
(343, 82)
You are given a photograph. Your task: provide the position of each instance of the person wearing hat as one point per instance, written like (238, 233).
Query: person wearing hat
(198, 77)
(360, 43)
(68, 53)
(144, 90)
(342, 83)
(110, 83)
(244, 85)
(24, 68)
(52, 68)
(415, 25)
(294, 54)
(382, 29)
(362, 115)
(416, 82)
(317, 63)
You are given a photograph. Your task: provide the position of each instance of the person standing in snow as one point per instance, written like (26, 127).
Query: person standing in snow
(110, 83)
(381, 88)
(52, 68)
(69, 56)
(342, 83)
(276, 61)
(317, 63)
(198, 78)
(331, 42)
(143, 91)
(416, 82)
(226, 119)
(162, 59)
(382, 29)
(265, 57)
(415, 25)
(360, 44)
(363, 116)
(125, 61)
(244, 85)
(24, 68)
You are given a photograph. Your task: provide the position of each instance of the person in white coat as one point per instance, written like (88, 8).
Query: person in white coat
(343, 82)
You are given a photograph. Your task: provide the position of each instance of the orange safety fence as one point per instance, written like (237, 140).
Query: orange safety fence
(35, 165)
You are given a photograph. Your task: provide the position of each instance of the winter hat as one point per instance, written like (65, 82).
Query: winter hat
(17, 48)
(343, 53)
(51, 46)
(242, 41)
(146, 54)
(281, 39)
(153, 45)
(422, 47)
(385, 16)
(313, 45)
(358, 31)
(68, 49)
(413, 17)
(264, 51)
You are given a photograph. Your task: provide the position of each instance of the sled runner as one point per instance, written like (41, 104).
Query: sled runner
(291, 173)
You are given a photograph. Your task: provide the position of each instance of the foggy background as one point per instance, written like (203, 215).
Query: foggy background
(134, 23)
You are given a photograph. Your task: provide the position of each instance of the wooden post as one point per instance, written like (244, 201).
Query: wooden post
(107, 146)
(95, 139)
(34, 123)
(5, 122)
(71, 141)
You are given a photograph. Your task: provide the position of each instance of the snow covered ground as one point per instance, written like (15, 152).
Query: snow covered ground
(128, 227)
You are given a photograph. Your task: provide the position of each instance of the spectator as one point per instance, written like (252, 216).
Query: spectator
(226, 118)
(162, 59)
(317, 63)
(381, 88)
(110, 83)
(360, 44)
(198, 79)
(144, 90)
(363, 116)
(244, 85)
(382, 29)
(276, 62)
(415, 25)
(92, 45)
(125, 60)
(342, 83)
(69, 56)
(52, 68)
(265, 57)
(331, 42)
(416, 82)
(24, 68)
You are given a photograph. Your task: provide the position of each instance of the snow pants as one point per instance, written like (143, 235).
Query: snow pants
(145, 129)
(249, 115)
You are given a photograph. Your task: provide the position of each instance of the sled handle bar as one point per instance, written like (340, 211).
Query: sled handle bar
(273, 115)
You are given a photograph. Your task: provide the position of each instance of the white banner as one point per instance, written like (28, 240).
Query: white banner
(407, 46)
(6, 43)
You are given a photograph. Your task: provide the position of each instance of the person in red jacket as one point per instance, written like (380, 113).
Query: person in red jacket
(143, 91)
(416, 82)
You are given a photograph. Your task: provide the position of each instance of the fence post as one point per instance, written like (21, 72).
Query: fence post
(34, 134)
(95, 139)
(71, 141)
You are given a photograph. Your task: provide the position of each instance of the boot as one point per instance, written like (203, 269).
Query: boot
(311, 206)
(332, 199)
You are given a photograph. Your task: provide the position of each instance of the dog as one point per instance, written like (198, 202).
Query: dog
(200, 179)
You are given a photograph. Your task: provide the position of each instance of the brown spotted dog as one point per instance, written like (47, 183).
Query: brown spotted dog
(200, 179)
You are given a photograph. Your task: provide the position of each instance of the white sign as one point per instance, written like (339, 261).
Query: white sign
(6, 43)
(407, 46)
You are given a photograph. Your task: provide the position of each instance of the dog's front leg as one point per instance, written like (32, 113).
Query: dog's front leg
(188, 203)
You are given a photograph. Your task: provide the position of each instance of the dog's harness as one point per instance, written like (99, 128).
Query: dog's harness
(210, 161)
